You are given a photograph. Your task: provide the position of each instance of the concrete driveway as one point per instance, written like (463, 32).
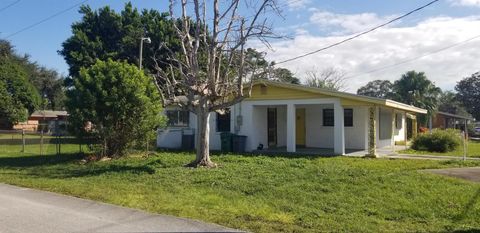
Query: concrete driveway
(468, 173)
(28, 210)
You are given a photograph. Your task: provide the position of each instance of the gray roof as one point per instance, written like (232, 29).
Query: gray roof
(455, 115)
(49, 113)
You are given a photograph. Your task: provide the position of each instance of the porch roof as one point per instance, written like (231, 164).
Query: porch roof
(345, 95)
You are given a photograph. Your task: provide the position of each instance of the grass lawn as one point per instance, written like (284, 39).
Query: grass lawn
(266, 194)
(473, 151)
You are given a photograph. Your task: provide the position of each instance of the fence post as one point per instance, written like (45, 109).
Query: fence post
(464, 146)
(41, 142)
(60, 145)
(23, 140)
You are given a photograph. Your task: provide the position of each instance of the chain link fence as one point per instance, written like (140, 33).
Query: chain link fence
(15, 142)
(38, 143)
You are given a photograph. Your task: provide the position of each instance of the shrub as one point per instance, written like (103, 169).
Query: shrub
(437, 141)
(121, 103)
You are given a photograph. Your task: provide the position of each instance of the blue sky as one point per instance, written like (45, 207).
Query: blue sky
(310, 24)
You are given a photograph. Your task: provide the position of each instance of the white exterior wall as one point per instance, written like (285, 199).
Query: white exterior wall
(384, 123)
(317, 135)
(400, 133)
(281, 126)
(171, 137)
(253, 124)
(321, 136)
(354, 138)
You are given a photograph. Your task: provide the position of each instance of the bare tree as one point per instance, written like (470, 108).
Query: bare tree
(211, 72)
(329, 78)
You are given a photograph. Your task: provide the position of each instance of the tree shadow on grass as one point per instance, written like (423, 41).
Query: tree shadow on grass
(37, 160)
(46, 166)
(90, 171)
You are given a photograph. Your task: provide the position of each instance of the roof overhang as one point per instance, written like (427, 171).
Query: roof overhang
(350, 96)
(455, 115)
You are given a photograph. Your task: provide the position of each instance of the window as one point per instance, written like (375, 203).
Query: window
(178, 118)
(348, 117)
(223, 121)
(329, 118)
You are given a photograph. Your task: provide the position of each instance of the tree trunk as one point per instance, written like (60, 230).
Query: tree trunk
(203, 143)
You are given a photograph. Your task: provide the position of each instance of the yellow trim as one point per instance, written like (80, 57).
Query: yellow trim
(271, 92)
(280, 91)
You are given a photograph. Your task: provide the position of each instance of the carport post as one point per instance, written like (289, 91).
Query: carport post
(372, 137)
(291, 120)
(394, 118)
(339, 129)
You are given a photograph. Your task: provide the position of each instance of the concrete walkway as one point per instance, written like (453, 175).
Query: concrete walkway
(430, 157)
(28, 210)
(468, 173)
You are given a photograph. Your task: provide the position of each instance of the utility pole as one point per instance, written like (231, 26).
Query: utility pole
(147, 40)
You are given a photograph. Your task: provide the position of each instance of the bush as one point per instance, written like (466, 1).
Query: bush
(438, 141)
(121, 103)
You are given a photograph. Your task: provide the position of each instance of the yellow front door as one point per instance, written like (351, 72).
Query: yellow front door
(300, 127)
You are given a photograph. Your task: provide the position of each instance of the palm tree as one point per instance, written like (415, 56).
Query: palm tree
(415, 89)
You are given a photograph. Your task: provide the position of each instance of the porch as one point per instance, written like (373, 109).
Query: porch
(322, 127)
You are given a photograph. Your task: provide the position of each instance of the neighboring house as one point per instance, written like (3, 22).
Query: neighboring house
(445, 120)
(291, 118)
(49, 121)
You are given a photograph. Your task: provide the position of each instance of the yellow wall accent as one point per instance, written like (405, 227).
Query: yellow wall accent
(300, 127)
(280, 93)
(270, 92)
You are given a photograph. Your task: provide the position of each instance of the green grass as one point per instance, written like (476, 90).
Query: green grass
(266, 194)
(473, 151)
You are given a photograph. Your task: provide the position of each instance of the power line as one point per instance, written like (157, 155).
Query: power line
(9, 5)
(46, 19)
(360, 34)
(415, 58)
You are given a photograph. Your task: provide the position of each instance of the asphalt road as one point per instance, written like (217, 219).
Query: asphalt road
(28, 210)
(468, 173)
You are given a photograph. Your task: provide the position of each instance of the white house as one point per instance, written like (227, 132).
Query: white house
(280, 116)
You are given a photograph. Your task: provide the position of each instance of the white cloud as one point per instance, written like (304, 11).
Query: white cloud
(388, 46)
(297, 4)
(466, 2)
(346, 23)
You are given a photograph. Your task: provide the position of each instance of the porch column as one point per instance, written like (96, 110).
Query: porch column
(339, 129)
(414, 127)
(394, 119)
(405, 130)
(291, 141)
(372, 131)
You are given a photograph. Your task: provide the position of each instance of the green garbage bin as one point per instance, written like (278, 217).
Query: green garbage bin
(226, 139)
(238, 143)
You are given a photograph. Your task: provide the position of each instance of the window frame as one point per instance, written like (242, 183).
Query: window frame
(225, 119)
(324, 118)
(345, 117)
(332, 112)
(179, 119)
